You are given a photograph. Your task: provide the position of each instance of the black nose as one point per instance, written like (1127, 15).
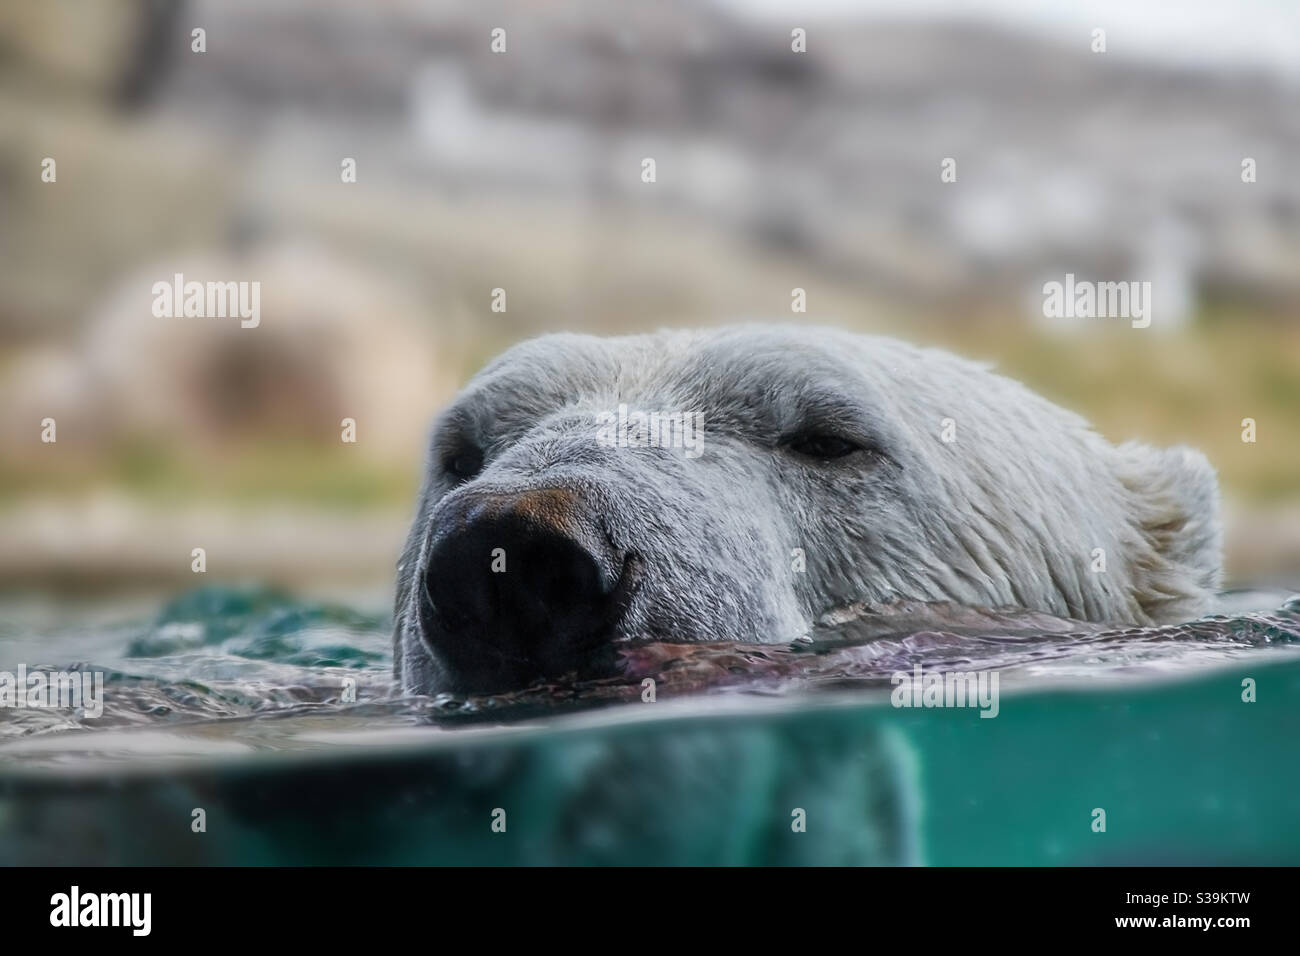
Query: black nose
(521, 587)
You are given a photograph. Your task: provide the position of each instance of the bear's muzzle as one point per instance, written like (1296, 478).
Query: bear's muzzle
(521, 585)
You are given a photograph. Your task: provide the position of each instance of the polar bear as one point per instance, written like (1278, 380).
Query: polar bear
(736, 483)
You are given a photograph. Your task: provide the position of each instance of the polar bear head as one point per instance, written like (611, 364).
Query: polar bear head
(735, 484)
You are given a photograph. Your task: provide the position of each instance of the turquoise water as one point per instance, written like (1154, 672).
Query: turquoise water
(239, 703)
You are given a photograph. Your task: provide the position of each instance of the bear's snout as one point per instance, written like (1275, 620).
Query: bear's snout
(521, 585)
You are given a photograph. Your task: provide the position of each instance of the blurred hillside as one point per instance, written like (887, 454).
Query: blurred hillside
(521, 171)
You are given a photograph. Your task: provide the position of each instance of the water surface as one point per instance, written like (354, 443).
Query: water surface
(276, 715)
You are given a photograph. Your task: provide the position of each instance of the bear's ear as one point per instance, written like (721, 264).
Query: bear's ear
(1175, 497)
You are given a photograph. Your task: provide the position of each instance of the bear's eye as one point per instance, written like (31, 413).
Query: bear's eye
(465, 463)
(823, 447)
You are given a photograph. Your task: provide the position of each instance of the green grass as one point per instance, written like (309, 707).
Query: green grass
(327, 477)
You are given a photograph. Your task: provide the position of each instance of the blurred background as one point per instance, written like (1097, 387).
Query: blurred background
(521, 170)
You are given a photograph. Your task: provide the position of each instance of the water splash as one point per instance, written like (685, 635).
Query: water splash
(219, 654)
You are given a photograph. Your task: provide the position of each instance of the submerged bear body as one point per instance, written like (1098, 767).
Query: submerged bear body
(735, 484)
